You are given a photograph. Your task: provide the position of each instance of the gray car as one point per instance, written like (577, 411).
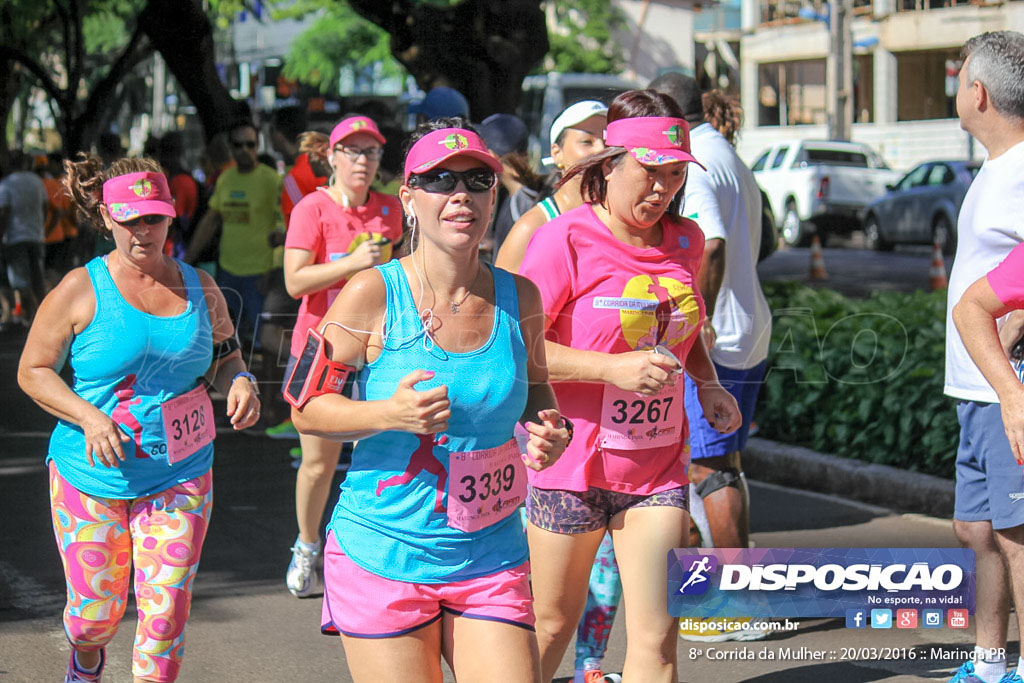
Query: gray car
(921, 208)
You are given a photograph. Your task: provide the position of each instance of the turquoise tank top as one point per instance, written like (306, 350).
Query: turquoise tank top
(126, 363)
(385, 519)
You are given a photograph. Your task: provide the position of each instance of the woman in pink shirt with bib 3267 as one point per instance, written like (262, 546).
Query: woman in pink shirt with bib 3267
(333, 234)
(618, 280)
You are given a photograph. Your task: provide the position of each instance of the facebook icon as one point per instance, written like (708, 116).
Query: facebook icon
(856, 618)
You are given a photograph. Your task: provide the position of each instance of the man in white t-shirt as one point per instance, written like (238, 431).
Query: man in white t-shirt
(988, 518)
(725, 202)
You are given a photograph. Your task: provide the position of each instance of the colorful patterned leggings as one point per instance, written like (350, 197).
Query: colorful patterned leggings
(99, 538)
(602, 602)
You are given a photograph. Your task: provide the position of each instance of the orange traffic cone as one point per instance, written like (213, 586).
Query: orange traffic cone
(818, 271)
(937, 272)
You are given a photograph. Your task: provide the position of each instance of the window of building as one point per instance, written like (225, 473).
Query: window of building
(925, 90)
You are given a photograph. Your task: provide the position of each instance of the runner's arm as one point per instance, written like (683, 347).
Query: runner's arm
(65, 312)
(360, 308)
(541, 418)
(243, 402)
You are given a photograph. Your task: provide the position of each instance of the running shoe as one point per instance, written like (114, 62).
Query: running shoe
(76, 675)
(285, 430)
(704, 633)
(965, 674)
(304, 572)
(595, 676)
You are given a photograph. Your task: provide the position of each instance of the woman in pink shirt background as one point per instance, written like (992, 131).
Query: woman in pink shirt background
(333, 233)
(618, 280)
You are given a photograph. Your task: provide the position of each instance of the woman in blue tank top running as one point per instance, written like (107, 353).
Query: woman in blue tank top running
(425, 555)
(130, 458)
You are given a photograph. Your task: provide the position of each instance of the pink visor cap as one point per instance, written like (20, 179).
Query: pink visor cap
(652, 140)
(440, 145)
(138, 194)
(353, 125)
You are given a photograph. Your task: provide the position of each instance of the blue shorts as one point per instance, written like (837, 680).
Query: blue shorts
(989, 482)
(744, 385)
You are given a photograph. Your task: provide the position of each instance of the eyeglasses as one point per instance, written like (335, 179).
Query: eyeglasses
(151, 219)
(353, 153)
(248, 144)
(445, 181)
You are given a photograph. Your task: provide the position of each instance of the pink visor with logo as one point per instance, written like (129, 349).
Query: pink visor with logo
(652, 140)
(138, 194)
(440, 145)
(353, 125)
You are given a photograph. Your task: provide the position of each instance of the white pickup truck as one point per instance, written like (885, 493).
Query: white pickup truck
(820, 187)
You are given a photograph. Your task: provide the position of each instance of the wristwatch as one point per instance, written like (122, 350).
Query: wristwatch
(252, 380)
(568, 427)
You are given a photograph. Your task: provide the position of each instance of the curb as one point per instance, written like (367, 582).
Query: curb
(882, 485)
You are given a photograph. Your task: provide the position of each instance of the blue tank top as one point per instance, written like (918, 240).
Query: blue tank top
(126, 363)
(385, 519)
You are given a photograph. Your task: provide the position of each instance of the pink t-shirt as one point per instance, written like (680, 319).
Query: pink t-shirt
(318, 224)
(1007, 279)
(603, 295)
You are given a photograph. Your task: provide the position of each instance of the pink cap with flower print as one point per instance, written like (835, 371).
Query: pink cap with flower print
(440, 145)
(652, 140)
(353, 125)
(138, 194)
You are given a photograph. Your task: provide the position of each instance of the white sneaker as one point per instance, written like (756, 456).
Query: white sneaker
(304, 572)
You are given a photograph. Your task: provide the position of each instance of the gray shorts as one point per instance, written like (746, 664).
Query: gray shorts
(989, 482)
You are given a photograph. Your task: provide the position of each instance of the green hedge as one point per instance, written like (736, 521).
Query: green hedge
(860, 378)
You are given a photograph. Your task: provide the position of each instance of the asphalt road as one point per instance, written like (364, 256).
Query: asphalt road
(855, 271)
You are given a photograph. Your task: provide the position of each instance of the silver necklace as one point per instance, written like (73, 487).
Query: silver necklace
(469, 290)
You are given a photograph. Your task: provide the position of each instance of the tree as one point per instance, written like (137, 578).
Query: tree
(181, 31)
(483, 49)
(82, 76)
(582, 41)
(338, 38)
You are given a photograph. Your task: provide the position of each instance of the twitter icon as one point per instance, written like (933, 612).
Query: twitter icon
(881, 618)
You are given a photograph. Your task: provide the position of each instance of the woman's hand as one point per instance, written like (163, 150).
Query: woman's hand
(645, 372)
(547, 440)
(103, 439)
(366, 255)
(418, 412)
(243, 403)
(720, 408)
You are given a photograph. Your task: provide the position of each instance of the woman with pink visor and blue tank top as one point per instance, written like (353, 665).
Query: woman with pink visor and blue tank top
(130, 458)
(425, 556)
(622, 317)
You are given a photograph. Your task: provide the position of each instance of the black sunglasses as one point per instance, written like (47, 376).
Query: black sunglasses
(249, 144)
(151, 219)
(444, 181)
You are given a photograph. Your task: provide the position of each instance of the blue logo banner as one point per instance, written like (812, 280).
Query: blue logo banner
(818, 582)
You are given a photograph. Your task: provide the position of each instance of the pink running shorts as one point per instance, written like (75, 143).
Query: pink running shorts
(360, 604)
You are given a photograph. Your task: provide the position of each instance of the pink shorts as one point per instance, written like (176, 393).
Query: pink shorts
(360, 604)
